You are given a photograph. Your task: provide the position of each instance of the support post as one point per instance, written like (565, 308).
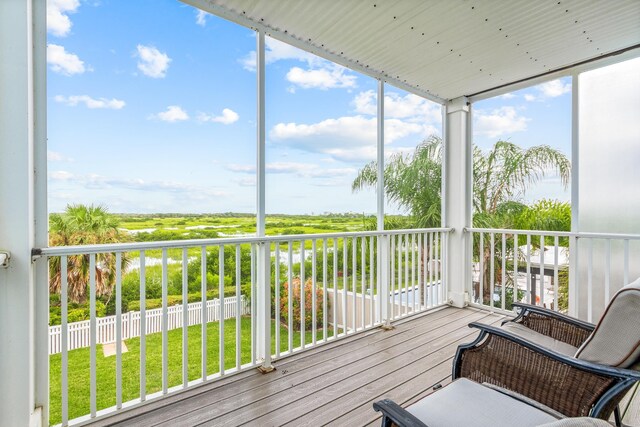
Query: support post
(263, 259)
(575, 196)
(380, 158)
(383, 243)
(23, 312)
(264, 307)
(457, 199)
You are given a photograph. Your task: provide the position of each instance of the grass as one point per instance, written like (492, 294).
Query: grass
(79, 365)
(239, 224)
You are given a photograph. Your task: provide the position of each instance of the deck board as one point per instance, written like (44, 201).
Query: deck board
(297, 392)
(432, 369)
(309, 388)
(334, 384)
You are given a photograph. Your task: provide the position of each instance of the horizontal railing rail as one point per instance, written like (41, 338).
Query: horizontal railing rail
(290, 293)
(194, 243)
(580, 234)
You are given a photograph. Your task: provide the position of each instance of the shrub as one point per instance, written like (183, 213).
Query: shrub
(151, 303)
(308, 300)
(75, 312)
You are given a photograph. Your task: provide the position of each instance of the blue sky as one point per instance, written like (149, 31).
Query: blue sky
(151, 108)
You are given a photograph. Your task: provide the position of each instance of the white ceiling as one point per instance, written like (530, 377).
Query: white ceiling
(445, 48)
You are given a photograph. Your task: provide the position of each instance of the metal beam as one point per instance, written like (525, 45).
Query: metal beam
(574, 297)
(41, 214)
(569, 70)
(380, 151)
(18, 123)
(264, 254)
(260, 118)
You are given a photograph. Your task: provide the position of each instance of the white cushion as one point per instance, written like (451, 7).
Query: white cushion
(464, 402)
(616, 339)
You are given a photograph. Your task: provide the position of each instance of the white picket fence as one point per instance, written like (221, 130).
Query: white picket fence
(79, 332)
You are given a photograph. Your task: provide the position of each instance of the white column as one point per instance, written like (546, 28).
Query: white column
(575, 195)
(263, 260)
(261, 136)
(457, 199)
(380, 177)
(21, 363)
(383, 249)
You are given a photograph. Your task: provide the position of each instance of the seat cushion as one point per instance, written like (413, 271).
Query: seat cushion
(616, 338)
(464, 402)
(540, 339)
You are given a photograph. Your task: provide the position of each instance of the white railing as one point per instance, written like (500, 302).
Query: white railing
(576, 273)
(360, 281)
(79, 336)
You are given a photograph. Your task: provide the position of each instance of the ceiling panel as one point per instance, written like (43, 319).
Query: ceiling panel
(447, 48)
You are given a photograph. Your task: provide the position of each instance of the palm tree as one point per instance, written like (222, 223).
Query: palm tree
(413, 181)
(507, 170)
(84, 225)
(500, 177)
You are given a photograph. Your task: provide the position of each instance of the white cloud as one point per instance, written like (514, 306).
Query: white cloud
(60, 176)
(350, 138)
(554, 88)
(276, 50)
(174, 113)
(247, 181)
(332, 76)
(54, 156)
(228, 117)
(306, 170)
(241, 168)
(504, 120)
(94, 181)
(152, 63)
(201, 17)
(72, 101)
(64, 62)
(551, 89)
(320, 73)
(508, 96)
(411, 107)
(58, 22)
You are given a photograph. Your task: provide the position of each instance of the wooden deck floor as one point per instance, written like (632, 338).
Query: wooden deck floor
(334, 384)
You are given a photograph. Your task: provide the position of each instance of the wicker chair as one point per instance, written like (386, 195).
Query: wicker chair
(573, 367)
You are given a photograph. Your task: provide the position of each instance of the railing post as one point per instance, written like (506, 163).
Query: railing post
(130, 324)
(383, 277)
(573, 277)
(264, 307)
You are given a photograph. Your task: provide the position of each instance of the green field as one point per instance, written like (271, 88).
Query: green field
(242, 224)
(79, 365)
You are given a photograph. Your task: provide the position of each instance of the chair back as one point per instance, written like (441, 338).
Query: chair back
(616, 338)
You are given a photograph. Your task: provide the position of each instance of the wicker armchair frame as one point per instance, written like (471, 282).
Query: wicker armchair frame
(553, 324)
(573, 387)
(395, 415)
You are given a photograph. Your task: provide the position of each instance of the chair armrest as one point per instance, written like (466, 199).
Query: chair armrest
(392, 413)
(553, 324)
(571, 386)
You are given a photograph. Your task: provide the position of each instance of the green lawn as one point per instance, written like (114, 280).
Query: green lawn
(79, 361)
